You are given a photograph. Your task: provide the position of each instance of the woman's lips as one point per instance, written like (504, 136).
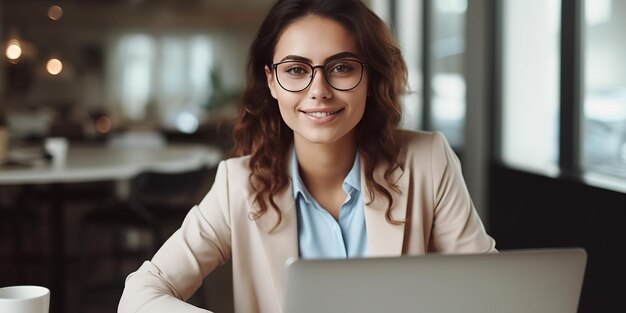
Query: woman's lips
(322, 117)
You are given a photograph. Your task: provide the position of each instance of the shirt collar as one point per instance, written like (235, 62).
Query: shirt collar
(298, 185)
(353, 179)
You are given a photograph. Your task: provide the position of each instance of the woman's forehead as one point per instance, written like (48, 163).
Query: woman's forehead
(315, 38)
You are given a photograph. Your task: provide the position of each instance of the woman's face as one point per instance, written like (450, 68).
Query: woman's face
(318, 114)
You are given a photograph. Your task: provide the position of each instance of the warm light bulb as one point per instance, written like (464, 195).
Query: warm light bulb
(14, 51)
(103, 124)
(54, 66)
(55, 12)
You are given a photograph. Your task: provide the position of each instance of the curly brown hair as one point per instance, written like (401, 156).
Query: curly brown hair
(260, 131)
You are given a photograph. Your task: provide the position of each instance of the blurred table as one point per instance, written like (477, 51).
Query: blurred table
(98, 163)
(101, 163)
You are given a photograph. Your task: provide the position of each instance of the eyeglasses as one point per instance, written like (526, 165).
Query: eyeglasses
(342, 74)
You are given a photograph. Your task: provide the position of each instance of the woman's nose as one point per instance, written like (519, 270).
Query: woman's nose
(320, 89)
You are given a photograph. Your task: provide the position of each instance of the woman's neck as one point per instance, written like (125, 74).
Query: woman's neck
(325, 165)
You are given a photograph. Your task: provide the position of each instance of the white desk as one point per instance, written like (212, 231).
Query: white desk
(101, 163)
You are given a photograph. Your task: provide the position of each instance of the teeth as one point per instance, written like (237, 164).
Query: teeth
(320, 114)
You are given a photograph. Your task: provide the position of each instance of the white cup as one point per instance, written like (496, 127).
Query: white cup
(57, 148)
(24, 299)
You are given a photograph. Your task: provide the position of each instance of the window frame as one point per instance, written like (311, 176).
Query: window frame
(571, 98)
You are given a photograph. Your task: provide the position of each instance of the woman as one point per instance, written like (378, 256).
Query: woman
(322, 169)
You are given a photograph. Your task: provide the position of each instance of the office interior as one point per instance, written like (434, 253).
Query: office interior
(530, 94)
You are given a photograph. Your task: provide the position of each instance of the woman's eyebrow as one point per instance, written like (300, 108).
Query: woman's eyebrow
(340, 55)
(295, 58)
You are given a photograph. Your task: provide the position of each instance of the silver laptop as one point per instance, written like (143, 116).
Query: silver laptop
(511, 281)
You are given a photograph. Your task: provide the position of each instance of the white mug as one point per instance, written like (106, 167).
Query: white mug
(24, 299)
(57, 148)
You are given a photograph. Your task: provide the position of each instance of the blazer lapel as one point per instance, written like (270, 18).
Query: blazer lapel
(384, 238)
(281, 243)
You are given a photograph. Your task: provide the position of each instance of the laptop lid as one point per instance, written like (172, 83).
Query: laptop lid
(507, 282)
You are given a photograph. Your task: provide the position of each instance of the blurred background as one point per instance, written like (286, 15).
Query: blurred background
(530, 94)
(135, 64)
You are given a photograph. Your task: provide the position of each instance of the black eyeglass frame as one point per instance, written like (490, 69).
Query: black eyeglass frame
(323, 67)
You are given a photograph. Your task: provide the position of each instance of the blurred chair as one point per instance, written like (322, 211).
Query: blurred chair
(69, 122)
(22, 235)
(133, 229)
(67, 129)
(11, 244)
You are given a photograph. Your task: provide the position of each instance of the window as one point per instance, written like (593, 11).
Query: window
(408, 13)
(167, 77)
(604, 122)
(447, 78)
(530, 86)
(442, 108)
(133, 65)
(405, 22)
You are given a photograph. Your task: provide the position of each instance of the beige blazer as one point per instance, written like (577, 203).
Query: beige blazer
(439, 214)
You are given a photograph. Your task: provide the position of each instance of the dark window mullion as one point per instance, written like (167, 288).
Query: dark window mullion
(570, 89)
(495, 130)
(426, 64)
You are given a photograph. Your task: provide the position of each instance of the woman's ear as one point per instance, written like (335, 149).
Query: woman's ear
(271, 82)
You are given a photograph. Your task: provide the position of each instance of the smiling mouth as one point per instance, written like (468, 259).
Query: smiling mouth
(321, 114)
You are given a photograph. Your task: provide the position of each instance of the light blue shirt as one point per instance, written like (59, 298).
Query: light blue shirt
(319, 234)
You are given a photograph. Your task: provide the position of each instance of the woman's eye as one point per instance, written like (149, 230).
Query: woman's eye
(296, 70)
(341, 68)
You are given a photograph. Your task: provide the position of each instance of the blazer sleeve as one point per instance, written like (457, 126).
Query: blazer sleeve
(457, 228)
(178, 268)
